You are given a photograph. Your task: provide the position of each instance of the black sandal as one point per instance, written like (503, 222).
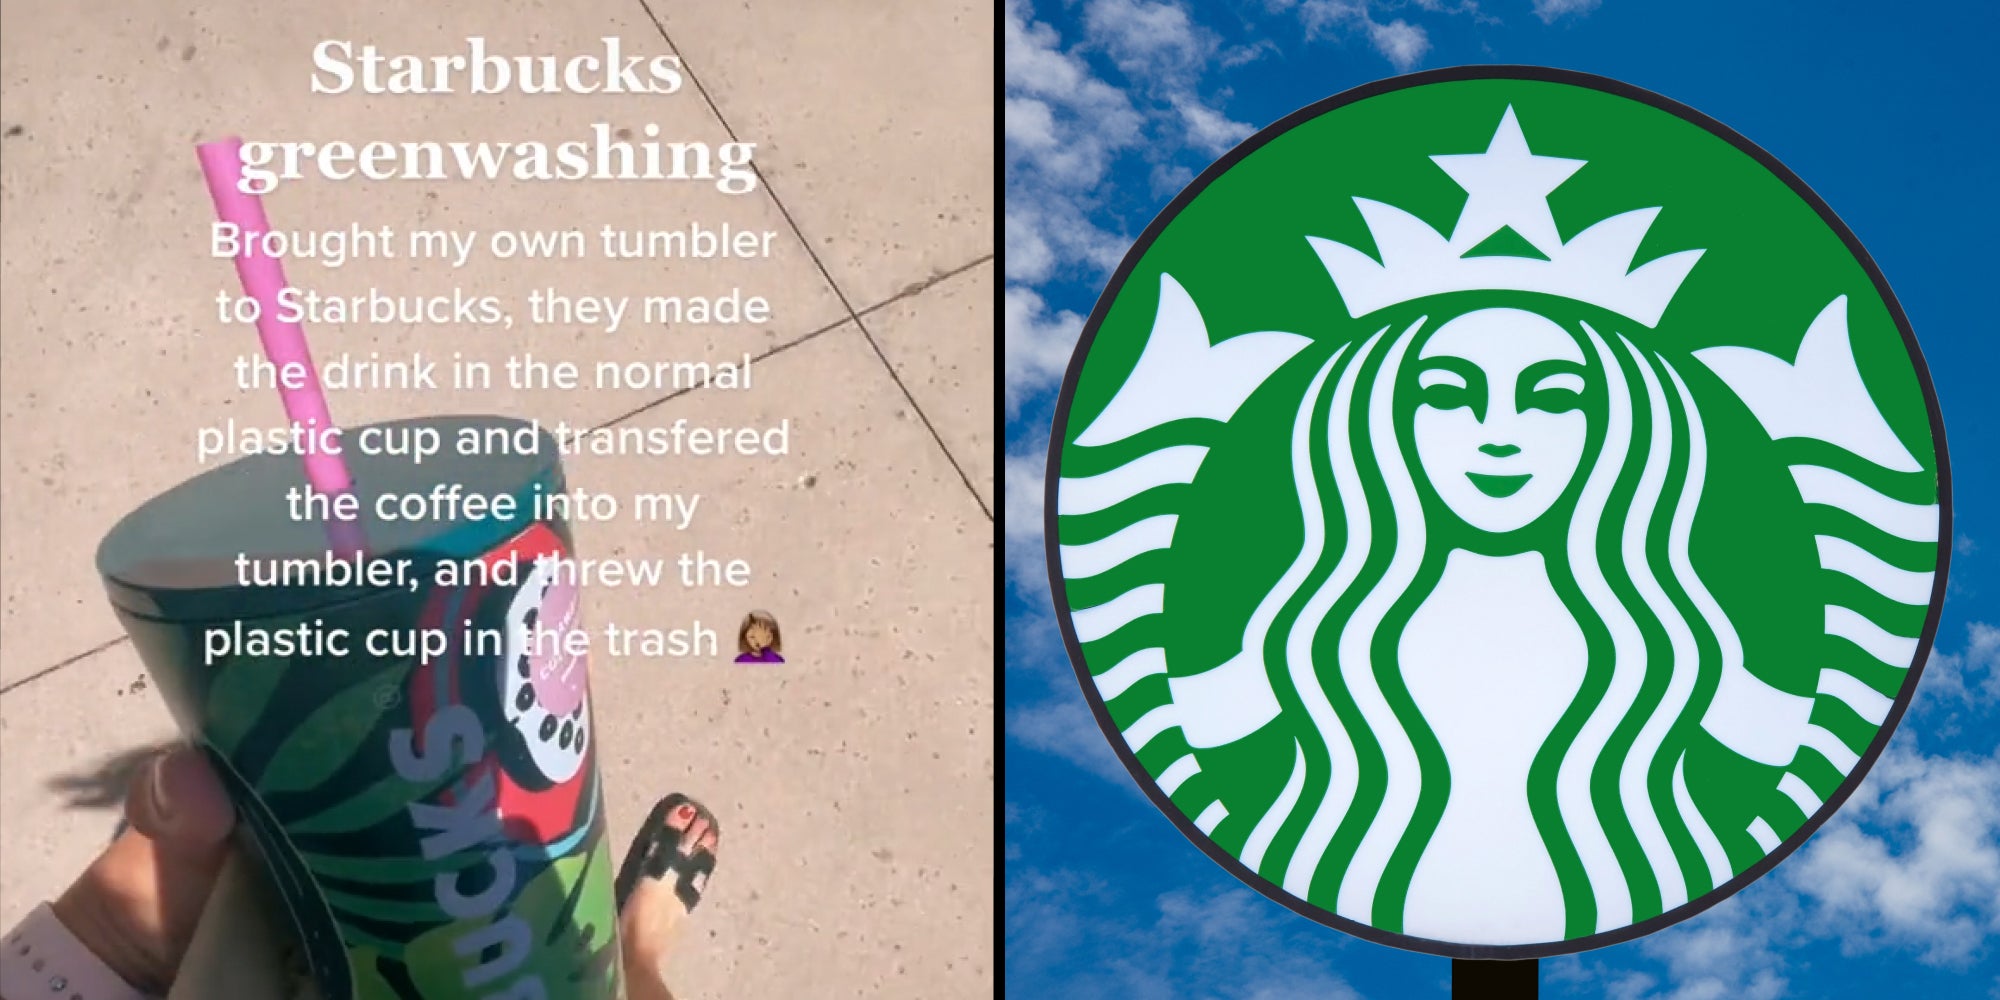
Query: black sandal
(657, 851)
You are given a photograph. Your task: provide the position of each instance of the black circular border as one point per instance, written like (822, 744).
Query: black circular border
(1146, 781)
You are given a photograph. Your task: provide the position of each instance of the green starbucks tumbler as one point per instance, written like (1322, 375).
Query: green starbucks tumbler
(406, 732)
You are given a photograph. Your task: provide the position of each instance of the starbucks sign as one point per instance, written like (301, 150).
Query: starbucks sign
(1498, 512)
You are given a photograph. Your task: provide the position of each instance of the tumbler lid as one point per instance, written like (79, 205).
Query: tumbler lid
(176, 557)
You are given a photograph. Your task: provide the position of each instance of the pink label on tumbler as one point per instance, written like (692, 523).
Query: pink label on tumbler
(559, 677)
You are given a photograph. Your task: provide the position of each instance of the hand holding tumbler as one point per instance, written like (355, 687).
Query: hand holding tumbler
(407, 738)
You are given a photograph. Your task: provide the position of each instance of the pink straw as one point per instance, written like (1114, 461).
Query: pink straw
(284, 343)
(263, 277)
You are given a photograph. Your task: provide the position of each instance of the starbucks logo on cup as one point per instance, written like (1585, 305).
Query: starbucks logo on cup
(1498, 512)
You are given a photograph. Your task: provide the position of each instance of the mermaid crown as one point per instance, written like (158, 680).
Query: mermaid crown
(1506, 187)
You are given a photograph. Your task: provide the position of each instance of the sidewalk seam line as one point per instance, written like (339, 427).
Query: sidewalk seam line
(910, 292)
(813, 254)
(78, 658)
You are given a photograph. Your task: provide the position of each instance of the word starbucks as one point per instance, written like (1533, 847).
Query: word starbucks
(303, 305)
(468, 826)
(341, 67)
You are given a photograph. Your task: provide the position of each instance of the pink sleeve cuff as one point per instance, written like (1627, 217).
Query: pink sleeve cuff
(41, 960)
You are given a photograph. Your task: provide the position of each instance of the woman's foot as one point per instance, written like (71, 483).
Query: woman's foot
(662, 880)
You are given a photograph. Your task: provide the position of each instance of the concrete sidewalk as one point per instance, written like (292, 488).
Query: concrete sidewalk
(854, 783)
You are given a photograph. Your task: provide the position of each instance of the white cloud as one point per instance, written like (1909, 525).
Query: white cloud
(1961, 681)
(1026, 562)
(1039, 345)
(1150, 41)
(1550, 10)
(1210, 130)
(1066, 127)
(1024, 503)
(1982, 646)
(1041, 916)
(1071, 935)
(1157, 44)
(1020, 820)
(1912, 862)
(1036, 64)
(1067, 143)
(1065, 130)
(1170, 179)
(1055, 234)
(1307, 986)
(1324, 17)
(1733, 951)
(1047, 237)
(1728, 958)
(1031, 127)
(1942, 683)
(1730, 952)
(1244, 55)
(1469, 8)
(1062, 725)
(1402, 43)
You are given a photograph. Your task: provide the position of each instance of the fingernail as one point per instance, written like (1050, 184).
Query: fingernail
(192, 803)
(163, 800)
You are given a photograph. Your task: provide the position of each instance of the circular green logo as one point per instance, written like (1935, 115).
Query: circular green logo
(1498, 512)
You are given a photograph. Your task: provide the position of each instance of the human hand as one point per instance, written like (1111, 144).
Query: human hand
(136, 906)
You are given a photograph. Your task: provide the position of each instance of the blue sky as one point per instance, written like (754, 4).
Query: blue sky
(1113, 105)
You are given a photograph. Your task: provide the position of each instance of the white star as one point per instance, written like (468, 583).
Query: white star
(1507, 186)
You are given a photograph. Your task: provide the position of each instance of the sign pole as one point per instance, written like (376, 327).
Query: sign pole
(1476, 979)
